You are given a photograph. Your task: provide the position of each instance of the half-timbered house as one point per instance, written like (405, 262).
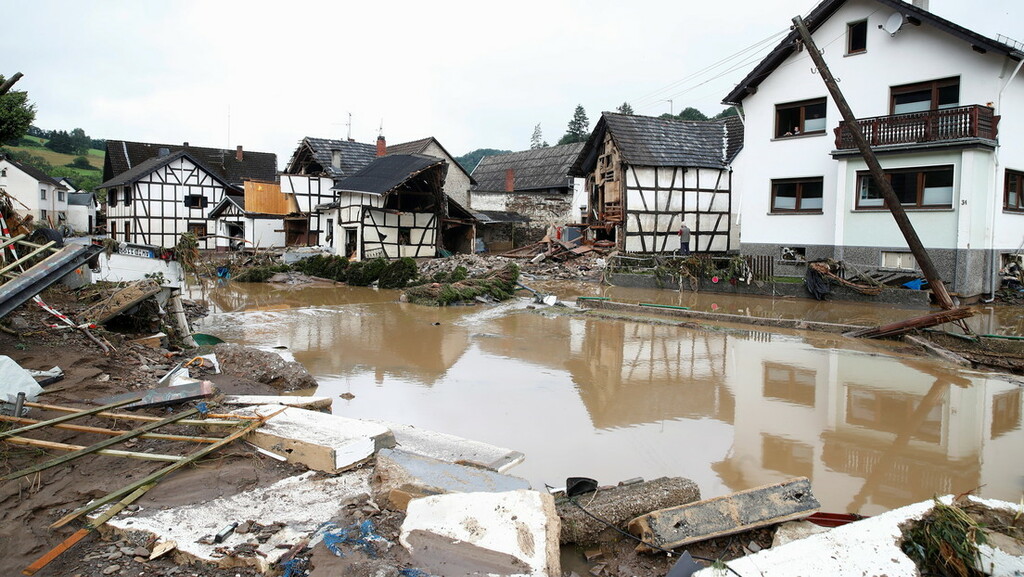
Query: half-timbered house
(156, 192)
(263, 217)
(391, 208)
(647, 177)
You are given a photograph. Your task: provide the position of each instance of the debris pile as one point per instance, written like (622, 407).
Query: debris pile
(497, 285)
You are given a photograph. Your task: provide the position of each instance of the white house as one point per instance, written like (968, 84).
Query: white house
(82, 212)
(36, 193)
(941, 106)
(156, 192)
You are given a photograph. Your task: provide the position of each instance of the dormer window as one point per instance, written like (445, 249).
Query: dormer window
(857, 37)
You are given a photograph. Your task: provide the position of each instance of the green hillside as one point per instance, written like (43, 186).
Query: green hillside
(60, 165)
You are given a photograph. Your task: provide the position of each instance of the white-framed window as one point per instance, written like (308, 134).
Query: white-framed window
(903, 260)
(42, 194)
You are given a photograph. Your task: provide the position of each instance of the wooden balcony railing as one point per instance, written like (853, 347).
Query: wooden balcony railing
(918, 127)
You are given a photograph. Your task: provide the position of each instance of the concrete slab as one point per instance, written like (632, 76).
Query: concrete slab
(867, 547)
(320, 441)
(400, 476)
(618, 505)
(302, 503)
(511, 533)
(310, 403)
(453, 449)
(726, 515)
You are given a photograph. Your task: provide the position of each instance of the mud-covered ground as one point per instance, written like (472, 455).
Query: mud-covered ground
(30, 504)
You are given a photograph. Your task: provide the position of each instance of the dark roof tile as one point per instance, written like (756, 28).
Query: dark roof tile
(535, 169)
(124, 155)
(386, 173)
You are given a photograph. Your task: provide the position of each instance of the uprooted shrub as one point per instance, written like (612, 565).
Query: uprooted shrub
(399, 273)
(459, 273)
(499, 284)
(260, 273)
(364, 273)
(324, 266)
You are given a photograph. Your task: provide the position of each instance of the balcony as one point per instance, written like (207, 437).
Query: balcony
(929, 126)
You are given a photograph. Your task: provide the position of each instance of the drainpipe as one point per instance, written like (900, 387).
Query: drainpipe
(995, 179)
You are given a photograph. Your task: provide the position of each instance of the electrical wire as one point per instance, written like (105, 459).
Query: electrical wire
(645, 543)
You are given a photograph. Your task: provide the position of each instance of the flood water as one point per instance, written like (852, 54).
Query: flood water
(873, 427)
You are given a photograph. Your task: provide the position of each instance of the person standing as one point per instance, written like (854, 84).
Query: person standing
(684, 240)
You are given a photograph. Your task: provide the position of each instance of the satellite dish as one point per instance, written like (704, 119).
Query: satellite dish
(893, 23)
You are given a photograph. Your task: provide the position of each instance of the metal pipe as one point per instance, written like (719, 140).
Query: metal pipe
(19, 404)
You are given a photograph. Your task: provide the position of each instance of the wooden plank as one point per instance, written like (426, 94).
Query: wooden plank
(212, 419)
(726, 515)
(81, 533)
(98, 446)
(96, 504)
(112, 432)
(76, 413)
(109, 452)
(121, 301)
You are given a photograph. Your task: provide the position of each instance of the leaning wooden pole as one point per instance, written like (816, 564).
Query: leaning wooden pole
(877, 174)
(6, 86)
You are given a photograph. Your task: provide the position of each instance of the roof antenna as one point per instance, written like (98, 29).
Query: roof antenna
(380, 131)
(348, 136)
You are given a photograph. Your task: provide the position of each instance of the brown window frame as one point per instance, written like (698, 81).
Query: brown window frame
(920, 186)
(1018, 176)
(932, 85)
(799, 182)
(786, 131)
(850, 26)
(196, 228)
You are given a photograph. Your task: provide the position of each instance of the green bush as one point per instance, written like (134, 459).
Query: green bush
(260, 273)
(399, 273)
(81, 162)
(324, 266)
(363, 273)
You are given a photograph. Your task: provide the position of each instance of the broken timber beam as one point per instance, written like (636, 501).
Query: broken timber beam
(112, 432)
(155, 477)
(211, 419)
(122, 300)
(901, 327)
(726, 515)
(98, 446)
(877, 173)
(75, 414)
(109, 452)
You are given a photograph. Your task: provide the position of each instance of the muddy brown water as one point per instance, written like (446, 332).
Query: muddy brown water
(873, 426)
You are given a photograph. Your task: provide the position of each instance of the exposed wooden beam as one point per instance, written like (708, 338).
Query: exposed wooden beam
(75, 414)
(109, 452)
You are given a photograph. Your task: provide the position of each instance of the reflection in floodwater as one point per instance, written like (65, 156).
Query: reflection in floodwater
(614, 399)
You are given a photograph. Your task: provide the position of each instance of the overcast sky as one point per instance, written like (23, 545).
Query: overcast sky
(472, 74)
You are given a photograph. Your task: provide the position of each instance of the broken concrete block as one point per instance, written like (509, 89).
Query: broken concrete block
(400, 476)
(794, 531)
(453, 449)
(301, 504)
(310, 403)
(511, 533)
(726, 515)
(619, 505)
(320, 441)
(871, 546)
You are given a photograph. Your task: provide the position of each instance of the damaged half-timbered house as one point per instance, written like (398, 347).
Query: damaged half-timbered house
(391, 208)
(318, 166)
(646, 177)
(157, 192)
(518, 195)
(264, 217)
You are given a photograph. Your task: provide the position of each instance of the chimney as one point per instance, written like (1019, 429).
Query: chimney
(510, 180)
(922, 4)
(186, 144)
(238, 153)
(382, 146)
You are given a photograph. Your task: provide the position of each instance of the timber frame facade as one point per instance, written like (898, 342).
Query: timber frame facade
(390, 209)
(646, 177)
(157, 201)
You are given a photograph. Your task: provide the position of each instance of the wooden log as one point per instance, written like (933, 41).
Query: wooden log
(618, 505)
(726, 515)
(902, 327)
(109, 452)
(98, 446)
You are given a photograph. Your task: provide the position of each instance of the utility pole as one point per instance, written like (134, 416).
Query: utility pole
(877, 174)
(670, 110)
